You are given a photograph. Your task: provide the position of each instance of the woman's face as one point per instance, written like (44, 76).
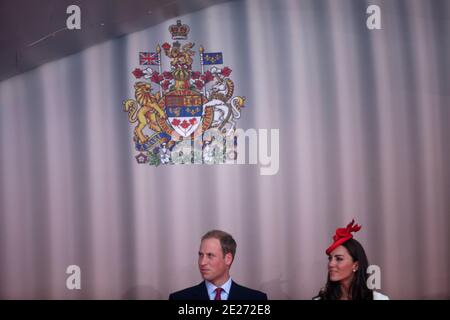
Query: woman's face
(341, 266)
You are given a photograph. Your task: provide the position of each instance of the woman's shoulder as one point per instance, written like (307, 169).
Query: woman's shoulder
(379, 296)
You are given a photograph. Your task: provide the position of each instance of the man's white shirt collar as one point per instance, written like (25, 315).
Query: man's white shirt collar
(225, 289)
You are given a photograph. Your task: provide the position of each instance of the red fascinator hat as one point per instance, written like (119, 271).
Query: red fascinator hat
(342, 235)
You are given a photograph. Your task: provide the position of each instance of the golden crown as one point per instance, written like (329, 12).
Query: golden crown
(179, 31)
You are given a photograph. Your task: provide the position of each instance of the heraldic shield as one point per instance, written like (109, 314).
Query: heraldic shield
(184, 109)
(185, 113)
(188, 105)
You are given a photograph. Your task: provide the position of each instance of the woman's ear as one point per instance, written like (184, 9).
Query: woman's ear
(355, 266)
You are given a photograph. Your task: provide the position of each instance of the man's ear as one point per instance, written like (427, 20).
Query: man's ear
(228, 259)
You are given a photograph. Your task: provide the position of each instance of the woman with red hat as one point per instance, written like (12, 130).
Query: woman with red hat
(347, 269)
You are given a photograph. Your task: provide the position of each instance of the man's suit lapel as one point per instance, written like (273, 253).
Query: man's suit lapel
(234, 291)
(201, 292)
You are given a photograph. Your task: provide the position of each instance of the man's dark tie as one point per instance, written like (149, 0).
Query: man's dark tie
(218, 291)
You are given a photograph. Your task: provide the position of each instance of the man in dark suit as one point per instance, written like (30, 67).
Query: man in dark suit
(216, 254)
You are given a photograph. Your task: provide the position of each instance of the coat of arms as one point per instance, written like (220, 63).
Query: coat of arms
(181, 105)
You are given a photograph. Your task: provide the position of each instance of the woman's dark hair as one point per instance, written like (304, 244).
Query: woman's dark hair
(358, 288)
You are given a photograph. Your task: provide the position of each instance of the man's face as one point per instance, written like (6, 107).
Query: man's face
(213, 265)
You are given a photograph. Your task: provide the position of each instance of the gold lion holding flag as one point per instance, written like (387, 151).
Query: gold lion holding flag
(146, 112)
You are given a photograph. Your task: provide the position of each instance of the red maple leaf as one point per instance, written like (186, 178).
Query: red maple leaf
(165, 84)
(226, 71)
(166, 46)
(193, 121)
(155, 77)
(137, 73)
(208, 76)
(175, 122)
(185, 124)
(199, 84)
(167, 75)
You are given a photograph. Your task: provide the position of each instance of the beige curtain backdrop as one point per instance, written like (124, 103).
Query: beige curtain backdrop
(363, 118)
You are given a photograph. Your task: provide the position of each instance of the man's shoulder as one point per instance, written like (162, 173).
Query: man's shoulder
(197, 292)
(239, 292)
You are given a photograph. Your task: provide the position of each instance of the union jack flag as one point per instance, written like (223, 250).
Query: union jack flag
(149, 58)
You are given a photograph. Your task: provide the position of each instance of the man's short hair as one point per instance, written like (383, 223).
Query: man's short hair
(226, 241)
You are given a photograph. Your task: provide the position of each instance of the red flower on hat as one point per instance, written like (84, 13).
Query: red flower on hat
(342, 235)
